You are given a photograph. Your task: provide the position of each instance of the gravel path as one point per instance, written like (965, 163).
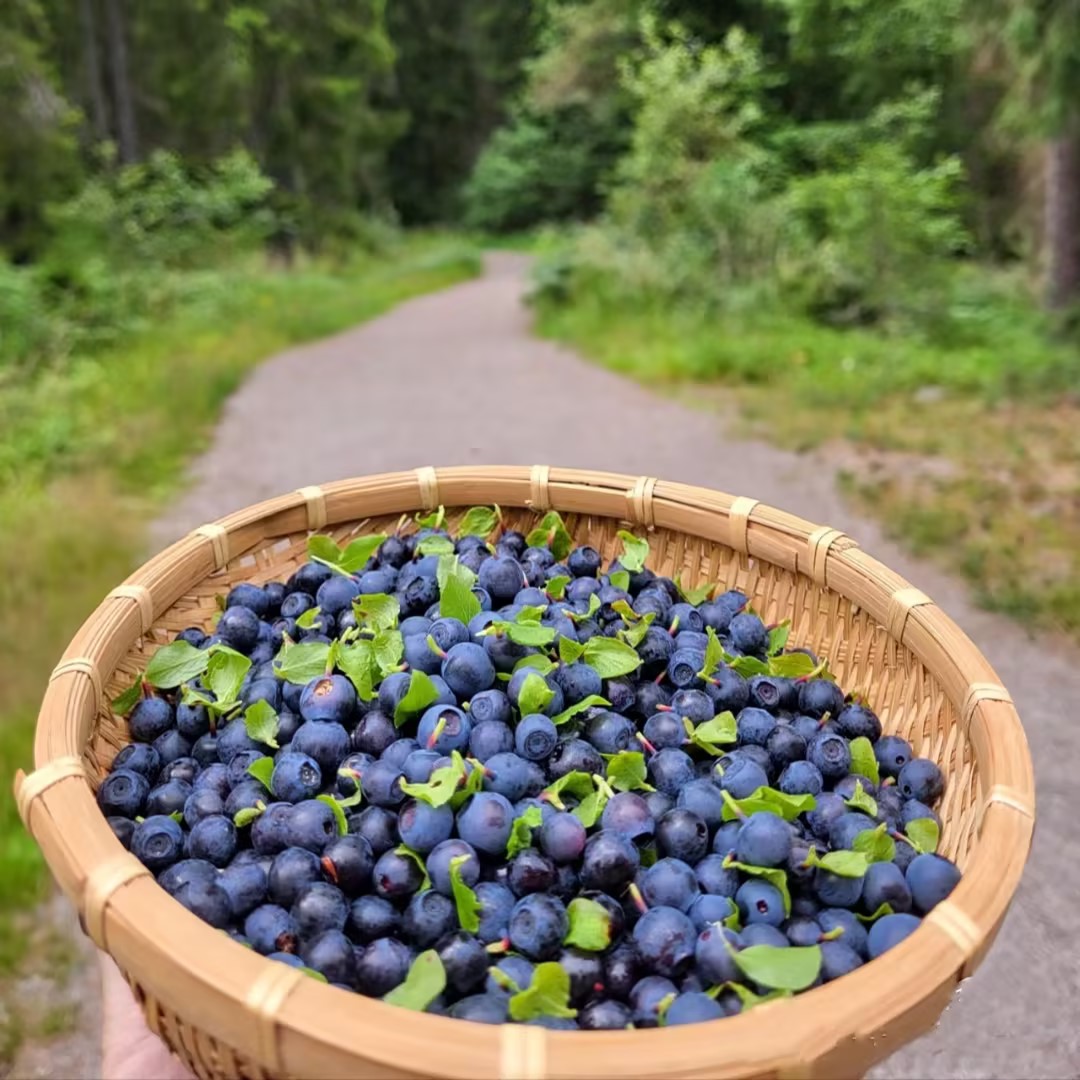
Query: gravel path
(436, 381)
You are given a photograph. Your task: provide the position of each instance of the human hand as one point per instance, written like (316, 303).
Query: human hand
(129, 1049)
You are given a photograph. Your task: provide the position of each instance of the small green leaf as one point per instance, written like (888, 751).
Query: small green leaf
(626, 772)
(388, 648)
(225, 675)
(468, 906)
(862, 801)
(698, 595)
(863, 760)
(778, 638)
(262, 769)
(528, 633)
(457, 601)
(424, 983)
(634, 553)
(521, 833)
(924, 834)
(551, 533)
(434, 520)
(547, 995)
(710, 736)
(769, 800)
(339, 814)
(535, 695)
(422, 692)
(556, 587)
(359, 551)
(609, 657)
(539, 663)
(311, 973)
(620, 579)
(450, 566)
(590, 925)
(417, 858)
(324, 549)
(635, 633)
(358, 662)
(590, 808)
(355, 798)
(748, 666)
(474, 782)
(501, 979)
(436, 545)
(248, 814)
(747, 996)
(177, 663)
(307, 619)
(876, 844)
(530, 613)
(570, 652)
(260, 723)
(479, 521)
(123, 703)
(591, 702)
(578, 784)
(883, 909)
(300, 663)
(847, 864)
(775, 877)
(442, 786)
(794, 665)
(714, 654)
(377, 611)
(788, 968)
(732, 922)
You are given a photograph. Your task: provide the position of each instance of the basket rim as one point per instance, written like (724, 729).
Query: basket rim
(295, 1025)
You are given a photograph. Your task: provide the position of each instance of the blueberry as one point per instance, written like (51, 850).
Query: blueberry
(857, 721)
(748, 634)
(759, 901)
(611, 733)
(271, 928)
(372, 917)
(801, 778)
(683, 667)
(682, 834)
(763, 840)
(151, 718)
(892, 754)
(827, 809)
(140, 758)
(382, 784)
(423, 827)
(535, 737)
(508, 775)
(172, 746)
(627, 815)
(837, 959)
(325, 741)
(496, 905)
(853, 932)
(485, 822)
(381, 966)
(537, 926)
(921, 779)
(481, 1009)
(574, 755)
(157, 842)
(562, 838)
(669, 883)
(347, 862)
(742, 777)
(468, 670)
(760, 933)
(378, 826)
(931, 878)
(444, 728)
(490, 705)
(836, 891)
(311, 825)
(292, 871)
(884, 883)
(428, 917)
(123, 793)
(692, 1008)
(714, 877)
(802, 932)
(180, 873)
(501, 576)
(331, 954)
(336, 595)
(213, 839)
(329, 697)
(208, 900)
(245, 886)
(238, 628)
(665, 940)
(168, 798)
(665, 730)
(888, 931)
(847, 827)
(646, 997)
(295, 777)
(123, 829)
(604, 1015)
(830, 754)
(670, 770)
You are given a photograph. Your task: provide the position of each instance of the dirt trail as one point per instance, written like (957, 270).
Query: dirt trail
(434, 381)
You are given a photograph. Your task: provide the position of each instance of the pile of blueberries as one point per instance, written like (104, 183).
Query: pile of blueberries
(584, 799)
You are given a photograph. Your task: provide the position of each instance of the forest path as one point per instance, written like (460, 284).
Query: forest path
(456, 377)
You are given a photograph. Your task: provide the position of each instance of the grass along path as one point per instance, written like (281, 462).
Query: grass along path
(88, 455)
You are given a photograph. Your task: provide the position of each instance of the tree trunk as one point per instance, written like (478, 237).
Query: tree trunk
(1061, 226)
(99, 114)
(123, 101)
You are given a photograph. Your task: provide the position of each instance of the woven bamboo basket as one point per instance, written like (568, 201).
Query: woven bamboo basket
(228, 1012)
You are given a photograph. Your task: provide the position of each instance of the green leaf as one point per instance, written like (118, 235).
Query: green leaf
(775, 877)
(769, 800)
(359, 551)
(530, 613)
(225, 675)
(635, 633)
(556, 587)
(474, 782)
(732, 922)
(578, 784)
(590, 925)
(468, 906)
(535, 695)
(924, 834)
(456, 601)
(422, 692)
(547, 995)
(248, 814)
(377, 611)
(434, 520)
(747, 996)
(528, 633)
(541, 664)
(417, 858)
(388, 648)
(590, 808)
(358, 662)
(719, 731)
(300, 663)
(748, 666)
(324, 549)
(610, 658)
(847, 864)
(261, 724)
(570, 652)
(500, 978)
(635, 551)
(311, 973)
(339, 814)
(714, 654)
(307, 619)
(883, 909)
(862, 801)
(626, 772)
(355, 798)
(521, 833)
(695, 596)
(551, 533)
(436, 545)
(876, 844)
(788, 968)
(795, 665)
(174, 664)
(778, 638)
(586, 703)
(262, 769)
(442, 786)
(620, 579)
(424, 983)
(123, 703)
(479, 521)
(863, 760)
(450, 566)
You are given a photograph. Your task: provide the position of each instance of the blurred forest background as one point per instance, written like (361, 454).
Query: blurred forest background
(854, 223)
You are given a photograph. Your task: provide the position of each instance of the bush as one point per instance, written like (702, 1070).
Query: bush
(29, 332)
